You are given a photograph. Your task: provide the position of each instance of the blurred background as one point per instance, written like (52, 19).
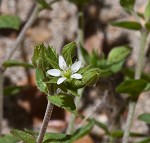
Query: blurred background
(24, 105)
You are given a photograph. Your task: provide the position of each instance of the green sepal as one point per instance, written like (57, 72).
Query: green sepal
(42, 59)
(91, 76)
(68, 52)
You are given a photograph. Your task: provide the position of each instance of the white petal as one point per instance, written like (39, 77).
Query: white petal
(54, 72)
(76, 76)
(76, 66)
(60, 80)
(62, 63)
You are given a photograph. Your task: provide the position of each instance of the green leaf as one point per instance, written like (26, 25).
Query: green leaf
(147, 140)
(132, 87)
(26, 137)
(44, 4)
(94, 58)
(102, 126)
(145, 118)
(8, 139)
(147, 12)
(39, 81)
(147, 88)
(82, 131)
(63, 138)
(147, 25)
(13, 63)
(141, 15)
(119, 134)
(116, 67)
(10, 21)
(13, 90)
(56, 138)
(118, 54)
(127, 25)
(128, 5)
(64, 101)
(68, 52)
(79, 2)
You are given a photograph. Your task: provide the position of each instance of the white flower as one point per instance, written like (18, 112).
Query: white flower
(66, 72)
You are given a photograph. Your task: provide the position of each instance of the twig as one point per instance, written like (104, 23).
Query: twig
(138, 72)
(46, 119)
(21, 35)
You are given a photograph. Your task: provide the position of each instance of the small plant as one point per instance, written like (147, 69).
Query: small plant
(59, 78)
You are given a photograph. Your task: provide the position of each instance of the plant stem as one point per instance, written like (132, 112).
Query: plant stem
(80, 42)
(70, 128)
(46, 119)
(1, 100)
(138, 72)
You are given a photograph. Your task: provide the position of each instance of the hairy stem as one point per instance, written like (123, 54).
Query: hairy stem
(46, 119)
(138, 72)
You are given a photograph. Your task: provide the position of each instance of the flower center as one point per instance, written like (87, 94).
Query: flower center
(67, 73)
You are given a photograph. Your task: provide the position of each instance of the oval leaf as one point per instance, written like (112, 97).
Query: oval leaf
(10, 21)
(82, 131)
(132, 87)
(127, 25)
(128, 5)
(8, 139)
(14, 63)
(147, 25)
(64, 101)
(118, 54)
(56, 137)
(39, 81)
(145, 118)
(26, 137)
